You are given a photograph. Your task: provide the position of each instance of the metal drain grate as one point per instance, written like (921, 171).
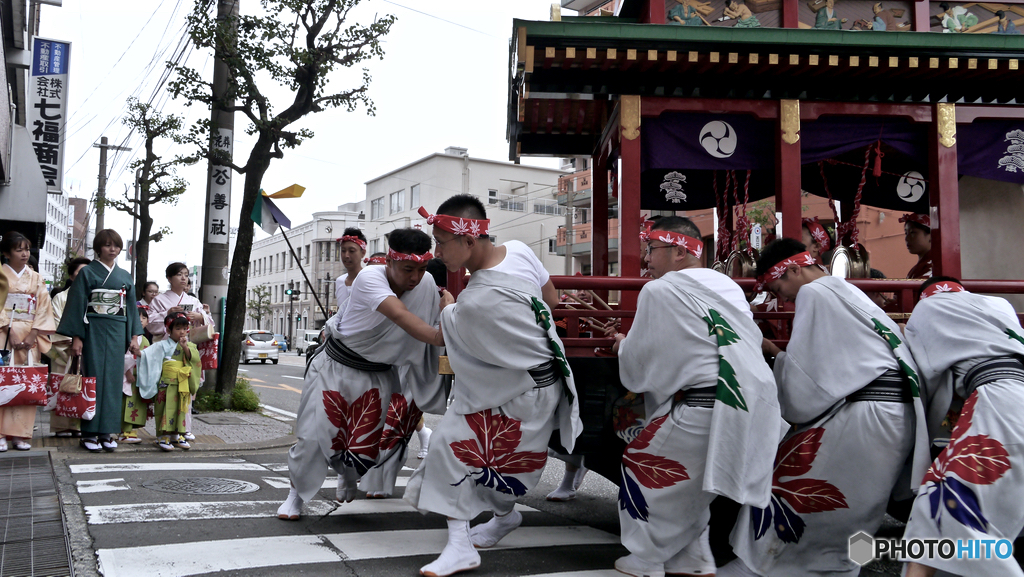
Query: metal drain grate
(32, 538)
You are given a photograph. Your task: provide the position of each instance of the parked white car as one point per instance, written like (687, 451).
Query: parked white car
(259, 346)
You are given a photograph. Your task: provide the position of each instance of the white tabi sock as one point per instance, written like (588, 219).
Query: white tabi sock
(488, 534)
(348, 485)
(735, 568)
(424, 436)
(291, 509)
(458, 555)
(694, 559)
(567, 490)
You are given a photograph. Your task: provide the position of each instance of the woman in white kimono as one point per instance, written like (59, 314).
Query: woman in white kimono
(26, 322)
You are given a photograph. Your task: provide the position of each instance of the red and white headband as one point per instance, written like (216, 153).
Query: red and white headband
(817, 231)
(942, 287)
(775, 273)
(418, 258)
(376, 260)
(692, 245)
(457, 225)
(355, 239)
(921, 219)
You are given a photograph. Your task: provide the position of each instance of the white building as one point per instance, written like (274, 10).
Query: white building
(520, 200)
(273, 266)
(54, 249)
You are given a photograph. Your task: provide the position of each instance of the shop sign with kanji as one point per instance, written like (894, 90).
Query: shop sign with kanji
(47, 109)
(218, 222)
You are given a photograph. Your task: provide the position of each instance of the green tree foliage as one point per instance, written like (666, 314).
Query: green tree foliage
(291, 44)
(259, 305)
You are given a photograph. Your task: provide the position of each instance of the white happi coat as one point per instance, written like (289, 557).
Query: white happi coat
(685, 336)
(491, 445)
(975, 488)
(835, 472)
(337, 398)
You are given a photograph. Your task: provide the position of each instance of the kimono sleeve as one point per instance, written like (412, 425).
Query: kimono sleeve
(43, 322)
(72, 322)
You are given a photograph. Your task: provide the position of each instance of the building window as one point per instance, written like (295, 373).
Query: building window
(397, 201)
(374, 246)
(552, 246)
(307, 254)
(492, 196)
(377, 208)
(547, 207)
(414, 197)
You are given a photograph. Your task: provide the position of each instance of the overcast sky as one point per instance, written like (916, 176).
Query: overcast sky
(443, 82)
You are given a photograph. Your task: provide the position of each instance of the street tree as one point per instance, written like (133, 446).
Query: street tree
(259, 305)
(158, 181)
(292, 44)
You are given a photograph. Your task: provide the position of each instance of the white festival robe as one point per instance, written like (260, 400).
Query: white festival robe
(685, 336)
(343, 412)
(975, 488)
(835, 471)
(491, 445)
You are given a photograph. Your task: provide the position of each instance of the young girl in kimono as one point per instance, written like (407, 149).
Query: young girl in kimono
(26, 322)
(169, 370)
(135, 408)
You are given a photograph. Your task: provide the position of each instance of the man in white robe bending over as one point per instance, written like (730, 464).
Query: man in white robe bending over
(713, 414)
(389, 323)
(513, 387)
(971, 346)
(849, 386)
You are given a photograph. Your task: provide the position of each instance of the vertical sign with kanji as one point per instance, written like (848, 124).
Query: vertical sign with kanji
(220, 192)
(47, 108)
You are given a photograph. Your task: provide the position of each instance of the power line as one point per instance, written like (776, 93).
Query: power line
(439, 18)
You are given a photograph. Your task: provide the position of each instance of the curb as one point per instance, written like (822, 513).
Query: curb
(278, 443)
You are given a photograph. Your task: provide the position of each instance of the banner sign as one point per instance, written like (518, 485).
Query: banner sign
(218, 222)
(47, 110)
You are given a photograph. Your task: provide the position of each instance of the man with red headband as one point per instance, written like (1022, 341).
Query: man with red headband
(513, 387)
(918, 230)
(849, 387)
(713, 418)
(815, 237)
(970, 347)
(355, 414)
(352, 248)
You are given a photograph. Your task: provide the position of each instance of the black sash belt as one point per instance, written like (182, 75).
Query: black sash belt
(890, 386)
(698, 397)
(991, 370)
(545, 375)
(346, 356)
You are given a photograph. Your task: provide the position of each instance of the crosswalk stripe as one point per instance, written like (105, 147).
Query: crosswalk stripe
(591, 573)
(283, 467)
(102, 485)
(288, 414)
(181, 559)
(162, 466)
(330, 483)
(193, 511)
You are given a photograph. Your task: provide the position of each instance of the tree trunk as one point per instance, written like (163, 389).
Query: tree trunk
(234, 314)
(142, 249)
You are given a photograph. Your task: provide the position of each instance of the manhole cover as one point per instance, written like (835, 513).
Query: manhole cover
(220, 419)
(202, 486)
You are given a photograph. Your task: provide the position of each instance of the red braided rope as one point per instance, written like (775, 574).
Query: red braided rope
(852, 225)
(735, 207)
(721, 204)
(743, 223)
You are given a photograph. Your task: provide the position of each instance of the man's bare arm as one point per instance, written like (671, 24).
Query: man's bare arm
(396, 312)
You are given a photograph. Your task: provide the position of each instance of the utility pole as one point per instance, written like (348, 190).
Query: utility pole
(214, 285)
(101, 190)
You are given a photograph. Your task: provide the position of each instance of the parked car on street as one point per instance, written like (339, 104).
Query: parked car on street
(310, 341)
(259, 346)
(282, 342)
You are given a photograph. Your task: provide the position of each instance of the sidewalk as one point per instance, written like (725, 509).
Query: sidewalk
(224, 431)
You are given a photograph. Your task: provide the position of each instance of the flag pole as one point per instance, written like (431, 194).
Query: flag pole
(304, 275)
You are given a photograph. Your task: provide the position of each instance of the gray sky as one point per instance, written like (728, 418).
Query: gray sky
(440, 84)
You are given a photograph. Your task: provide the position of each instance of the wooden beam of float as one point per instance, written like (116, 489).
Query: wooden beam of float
(629, 197)
(943, 191)
(787, 167)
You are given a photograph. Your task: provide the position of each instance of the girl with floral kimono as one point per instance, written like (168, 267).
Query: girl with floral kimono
(169, 370)
(96, 318)
(26, 322)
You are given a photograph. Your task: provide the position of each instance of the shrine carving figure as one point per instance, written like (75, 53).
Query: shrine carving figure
(689, 13)
(827, 19)
(735, 10)
(956, 18)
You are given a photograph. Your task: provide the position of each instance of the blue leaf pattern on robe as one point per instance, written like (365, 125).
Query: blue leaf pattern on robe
(631, 499)
(494, 480)
(788, 525)
(762, 519)
(960, 501)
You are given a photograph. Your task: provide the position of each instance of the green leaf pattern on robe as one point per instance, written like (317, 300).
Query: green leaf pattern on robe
(544, 320)
(1014, 336)
(728, 390)
(894, 343)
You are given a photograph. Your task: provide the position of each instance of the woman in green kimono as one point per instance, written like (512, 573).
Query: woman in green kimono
(97, 319)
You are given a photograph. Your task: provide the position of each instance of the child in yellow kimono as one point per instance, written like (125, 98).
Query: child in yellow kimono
(169, 370)
(26, 321)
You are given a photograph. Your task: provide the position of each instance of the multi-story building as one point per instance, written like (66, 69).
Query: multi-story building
(54, 248)
(81, 234)
(520, 200)
(274, 266)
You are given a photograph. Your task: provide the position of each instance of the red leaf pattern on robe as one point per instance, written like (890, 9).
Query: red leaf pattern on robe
(652, 471)
(358, 424)
(497, 438)
(400, 422)
(977, 459)
(794, 458)
(796, 454)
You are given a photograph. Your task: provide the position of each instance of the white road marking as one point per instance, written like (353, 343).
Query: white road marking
(592, 573)
(163, 466)
(102, 485)
(330, 483)
(180, 559)
(153, 512)
(291, 377)
(288, 414)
